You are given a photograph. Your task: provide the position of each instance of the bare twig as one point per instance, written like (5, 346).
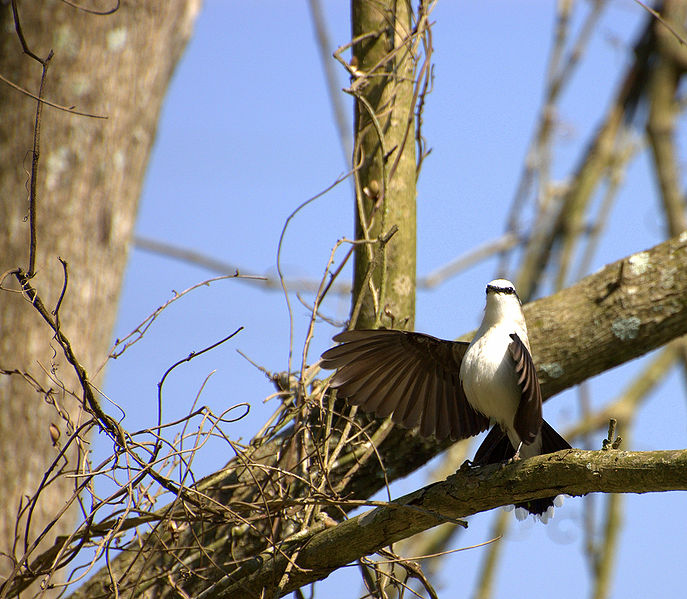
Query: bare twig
(537, 160)
(282, 278)
(89, 400)
(121, 345)
(324, 50)
(189, 256)
(49, 103)
(92, 11)
(660, 19)
(429, 281)
(161, 383)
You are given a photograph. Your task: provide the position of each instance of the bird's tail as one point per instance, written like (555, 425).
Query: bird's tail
(497, 448)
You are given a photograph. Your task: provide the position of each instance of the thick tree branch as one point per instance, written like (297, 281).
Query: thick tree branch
(467, 492)
(617, 314)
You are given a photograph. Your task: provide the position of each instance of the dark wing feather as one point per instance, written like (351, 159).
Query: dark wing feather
(528, 418)
(442, 428)
(495, 448)
(414, 377)
(362, 383)
(551, 441)
(403, 412)
(428, 423)
(417, 400)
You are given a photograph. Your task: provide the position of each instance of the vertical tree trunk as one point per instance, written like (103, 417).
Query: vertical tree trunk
(90, 177)
(385, 150)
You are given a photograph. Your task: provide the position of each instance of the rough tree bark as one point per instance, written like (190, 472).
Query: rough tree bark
(385, 64)
(91, 171)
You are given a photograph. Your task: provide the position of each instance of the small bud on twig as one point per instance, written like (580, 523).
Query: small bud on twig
(54, 434)
(612, 442)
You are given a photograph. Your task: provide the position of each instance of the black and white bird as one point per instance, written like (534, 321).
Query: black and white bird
(452, 388)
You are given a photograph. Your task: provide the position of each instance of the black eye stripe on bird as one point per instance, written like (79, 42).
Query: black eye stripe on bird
(496, 289)
(452, 388)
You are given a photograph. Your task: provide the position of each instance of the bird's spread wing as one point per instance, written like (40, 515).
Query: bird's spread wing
(528, 418)
(413, 376)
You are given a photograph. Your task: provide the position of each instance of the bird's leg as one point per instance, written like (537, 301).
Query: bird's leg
(516, 457)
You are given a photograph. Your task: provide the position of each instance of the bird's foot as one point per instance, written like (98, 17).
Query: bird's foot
(516, 457)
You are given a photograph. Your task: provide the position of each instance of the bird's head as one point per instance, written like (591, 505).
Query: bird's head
(502, 302)
(501, 287)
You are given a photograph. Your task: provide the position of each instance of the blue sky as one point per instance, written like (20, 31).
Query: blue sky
(247, 135)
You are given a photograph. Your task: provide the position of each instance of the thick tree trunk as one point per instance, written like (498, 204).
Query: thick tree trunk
(385, 63)
(89, 181)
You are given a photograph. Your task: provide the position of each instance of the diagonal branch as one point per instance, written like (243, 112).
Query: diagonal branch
(617, 314)
(467, 492)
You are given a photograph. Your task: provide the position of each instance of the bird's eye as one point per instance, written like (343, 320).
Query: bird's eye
(495, 289)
